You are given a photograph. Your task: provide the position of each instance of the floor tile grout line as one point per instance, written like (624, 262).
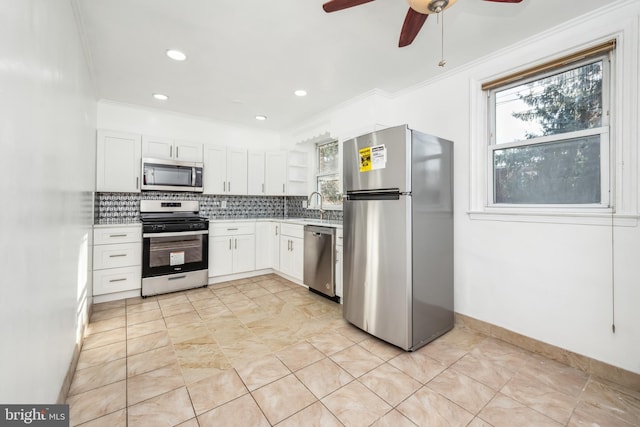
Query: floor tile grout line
(448, 366)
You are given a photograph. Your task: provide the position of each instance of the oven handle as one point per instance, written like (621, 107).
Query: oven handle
(176, 234)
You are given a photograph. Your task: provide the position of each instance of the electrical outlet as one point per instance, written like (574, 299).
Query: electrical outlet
(304, 204)
(223, 204)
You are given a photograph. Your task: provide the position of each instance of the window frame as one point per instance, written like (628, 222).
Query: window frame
(556, 67)
(334, 173)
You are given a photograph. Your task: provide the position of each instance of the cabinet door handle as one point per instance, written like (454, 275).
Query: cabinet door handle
(229, 186)
(236, 243)
(232, 229)
(117, 255)
(137, 183)
(263, 188)
(177, 155)
(283, 188)
(171, 151)
(229, 244)
(292, 246)
(117, 235)
(117, 280)
(276, 230)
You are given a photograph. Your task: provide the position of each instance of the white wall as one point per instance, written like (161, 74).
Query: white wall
(366, 113)
(546, 277)
(47, 140)
(156, 122)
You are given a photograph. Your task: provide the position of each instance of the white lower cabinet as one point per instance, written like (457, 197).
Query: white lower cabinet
(292, 250)
(117, 259)
(232, 248)
(267, 245)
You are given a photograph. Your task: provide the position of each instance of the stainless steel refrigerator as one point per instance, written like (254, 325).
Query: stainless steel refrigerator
(398, 235)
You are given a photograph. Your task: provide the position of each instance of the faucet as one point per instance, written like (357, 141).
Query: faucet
(320, 196)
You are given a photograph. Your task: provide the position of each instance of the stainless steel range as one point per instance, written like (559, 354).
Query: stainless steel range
(175, 246)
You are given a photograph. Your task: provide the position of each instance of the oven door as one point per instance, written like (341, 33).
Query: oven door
(177, 252)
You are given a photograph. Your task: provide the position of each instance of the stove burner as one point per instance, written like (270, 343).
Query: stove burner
(161, 217)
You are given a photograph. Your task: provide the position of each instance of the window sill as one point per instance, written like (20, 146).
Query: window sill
(578, 218)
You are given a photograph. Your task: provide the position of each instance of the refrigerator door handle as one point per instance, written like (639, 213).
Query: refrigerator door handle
(383, 194)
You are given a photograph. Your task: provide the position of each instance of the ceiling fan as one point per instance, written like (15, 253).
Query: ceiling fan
(418, 13)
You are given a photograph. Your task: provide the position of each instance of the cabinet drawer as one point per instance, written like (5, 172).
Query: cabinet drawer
(117, 280)
(111, 235)
(232, 228)
(293, 230)
(114, 256)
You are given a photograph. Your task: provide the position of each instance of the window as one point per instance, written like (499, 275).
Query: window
(328, 178)
(549, 134)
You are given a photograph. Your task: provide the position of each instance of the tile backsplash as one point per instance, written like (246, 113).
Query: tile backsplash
(125, 207)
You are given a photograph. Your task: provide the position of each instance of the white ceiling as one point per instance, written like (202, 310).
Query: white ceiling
(247, 57)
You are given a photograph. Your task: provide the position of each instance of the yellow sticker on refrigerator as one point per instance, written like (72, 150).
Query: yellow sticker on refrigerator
(373, 158)
(365, 159)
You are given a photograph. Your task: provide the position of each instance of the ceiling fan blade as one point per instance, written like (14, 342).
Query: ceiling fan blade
(505, 1)
(411, 27)
(335, 5)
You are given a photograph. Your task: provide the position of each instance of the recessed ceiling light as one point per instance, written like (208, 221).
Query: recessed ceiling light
(300, 92)
(160, 96)
(176, 55)
(261, 117)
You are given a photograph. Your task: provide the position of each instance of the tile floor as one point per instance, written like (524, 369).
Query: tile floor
(264, 351)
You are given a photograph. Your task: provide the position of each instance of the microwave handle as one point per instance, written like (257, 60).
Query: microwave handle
(193, 173)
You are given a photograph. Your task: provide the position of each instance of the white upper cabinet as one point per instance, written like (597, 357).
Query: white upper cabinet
(157, 147)
(236, 171)
(275, 178)
(118, 162)
(256, 177)
(225, 170)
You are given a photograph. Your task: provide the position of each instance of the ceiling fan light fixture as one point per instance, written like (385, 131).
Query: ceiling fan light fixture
(430, 6)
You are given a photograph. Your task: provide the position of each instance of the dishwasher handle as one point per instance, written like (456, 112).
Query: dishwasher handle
(318, 230)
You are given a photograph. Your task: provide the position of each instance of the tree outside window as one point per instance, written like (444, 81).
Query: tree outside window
(327, 178)
(549, 138)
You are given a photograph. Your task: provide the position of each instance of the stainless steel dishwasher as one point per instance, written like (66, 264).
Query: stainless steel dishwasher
(320, 260)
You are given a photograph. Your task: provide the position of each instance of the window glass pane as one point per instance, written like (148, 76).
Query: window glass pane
(328, 157)
(330, 190)
(564, 102)
(566, 172)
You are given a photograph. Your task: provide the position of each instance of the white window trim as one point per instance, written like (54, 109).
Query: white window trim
(624, 198)
(314, 201)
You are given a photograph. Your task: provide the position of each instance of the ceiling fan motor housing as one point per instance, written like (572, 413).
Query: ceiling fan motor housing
(430, 6)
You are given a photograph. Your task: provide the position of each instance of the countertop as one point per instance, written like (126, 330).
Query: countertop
(301, 221)
(115, 222)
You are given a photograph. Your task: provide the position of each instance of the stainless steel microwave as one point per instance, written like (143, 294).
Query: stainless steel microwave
(171, 175)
